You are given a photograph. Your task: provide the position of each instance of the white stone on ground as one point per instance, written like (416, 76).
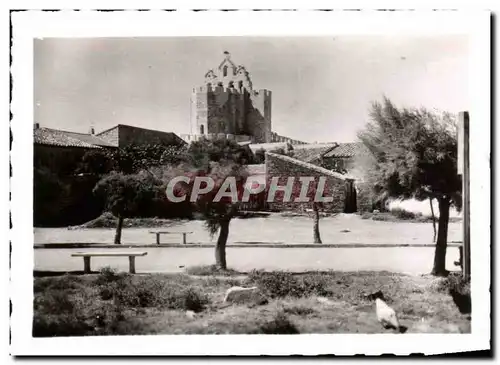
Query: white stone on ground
(238, 294)
(190, 314)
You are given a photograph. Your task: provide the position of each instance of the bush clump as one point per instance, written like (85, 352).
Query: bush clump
(60, 325)
(151, 293)
(452, 281)
(208, 270)
(280, 325)
(65, 282)
(54, 301)
(281, 284)
(405, 214)
(109, 275)
(299, 310)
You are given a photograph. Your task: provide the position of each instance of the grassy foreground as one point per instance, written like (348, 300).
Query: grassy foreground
(120, 304)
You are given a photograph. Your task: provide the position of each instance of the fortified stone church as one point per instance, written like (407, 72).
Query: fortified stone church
(228, 106)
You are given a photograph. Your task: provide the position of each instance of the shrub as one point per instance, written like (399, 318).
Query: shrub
(299, 310)
(279, 325)
(206, 270)
(60, 325)
(41, 284)
(154, 293)
(106, 292)
(315, 285)
(108, 275)
(54, 301)
(453, 281)
(404, 214)
(192, 300)
(139, 296)
(107, 318)
(276, 284)
(280, 284)
(65, 282)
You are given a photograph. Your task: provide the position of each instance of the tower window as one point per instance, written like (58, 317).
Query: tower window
(224, 71)
(202, 129)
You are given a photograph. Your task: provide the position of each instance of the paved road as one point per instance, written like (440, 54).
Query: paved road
(404, 260)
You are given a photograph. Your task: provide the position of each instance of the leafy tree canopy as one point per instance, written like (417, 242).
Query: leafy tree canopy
(201, 153)
(128, 195)
(131, 159)
(413, 153)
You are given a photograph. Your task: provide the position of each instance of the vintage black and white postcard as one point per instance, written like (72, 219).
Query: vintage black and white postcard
(250, 183)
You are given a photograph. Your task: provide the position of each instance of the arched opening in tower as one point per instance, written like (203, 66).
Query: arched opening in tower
(202, 129)
(224, 71)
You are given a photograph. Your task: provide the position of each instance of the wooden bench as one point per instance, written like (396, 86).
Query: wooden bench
(87, 255)
(158, 233)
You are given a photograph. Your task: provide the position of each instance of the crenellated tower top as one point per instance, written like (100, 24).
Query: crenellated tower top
(228, 75)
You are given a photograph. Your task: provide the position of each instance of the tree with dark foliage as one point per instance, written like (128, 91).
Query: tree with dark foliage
(127, 195)
(413, 154)
(224, 162)
(217, 209)
(201, 153)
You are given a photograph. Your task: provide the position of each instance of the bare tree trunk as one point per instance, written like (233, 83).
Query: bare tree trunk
(439, 268)
(118, 234)
(220, 249)
(433, 220)
(316, 236)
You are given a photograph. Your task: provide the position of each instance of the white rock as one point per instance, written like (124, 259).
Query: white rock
(191, 314)
(323, 300)
(238, 294)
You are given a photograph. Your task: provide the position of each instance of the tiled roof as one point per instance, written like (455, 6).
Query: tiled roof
(345, 150)
(91, 139)
(54, 137)
(315, 146)
(311, 152)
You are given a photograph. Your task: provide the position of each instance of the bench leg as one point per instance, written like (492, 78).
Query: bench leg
(86, 264)
(157, 238)
(183, 238)
(131, 261)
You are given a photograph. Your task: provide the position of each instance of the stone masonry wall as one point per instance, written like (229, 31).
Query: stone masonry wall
(110, 136)
(284, 167)
(258, 115)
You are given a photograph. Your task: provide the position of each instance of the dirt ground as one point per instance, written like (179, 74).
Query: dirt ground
(340, 229)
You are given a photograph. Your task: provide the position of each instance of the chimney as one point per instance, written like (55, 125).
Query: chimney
(36, 126)
(92, 131)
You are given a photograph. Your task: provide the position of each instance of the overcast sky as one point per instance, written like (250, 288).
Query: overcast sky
(322, 87)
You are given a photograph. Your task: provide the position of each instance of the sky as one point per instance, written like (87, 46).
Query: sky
(322, 87)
